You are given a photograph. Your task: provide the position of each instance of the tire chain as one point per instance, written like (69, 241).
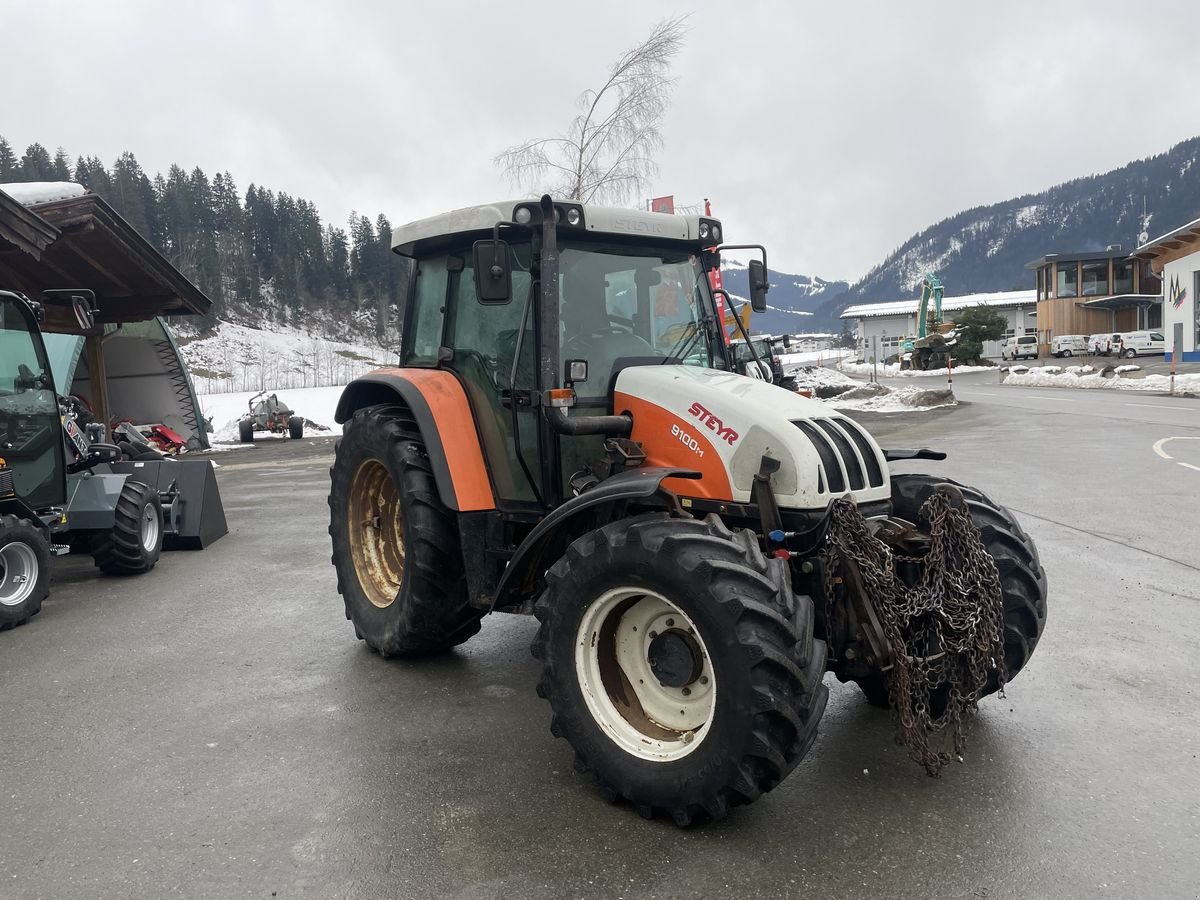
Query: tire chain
(955, 608)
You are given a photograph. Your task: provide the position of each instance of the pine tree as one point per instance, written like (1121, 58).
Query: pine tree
(36, 164)
(10, 166)
(62, 165)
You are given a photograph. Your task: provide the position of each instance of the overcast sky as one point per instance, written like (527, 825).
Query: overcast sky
(829, 131)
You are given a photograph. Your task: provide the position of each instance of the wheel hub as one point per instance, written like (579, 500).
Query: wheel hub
(18, 573)
(376, 532)
(675, 658)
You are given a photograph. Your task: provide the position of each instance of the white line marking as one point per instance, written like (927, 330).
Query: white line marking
(1158, 447)
(1190, 466)
(1044, 397)
(1157, 406)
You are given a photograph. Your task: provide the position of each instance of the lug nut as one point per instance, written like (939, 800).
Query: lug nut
(704, 679)
(653, 635)
(687, 692)
(670, 623)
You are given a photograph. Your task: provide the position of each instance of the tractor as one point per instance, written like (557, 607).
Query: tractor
(567, 435)
(64, 488)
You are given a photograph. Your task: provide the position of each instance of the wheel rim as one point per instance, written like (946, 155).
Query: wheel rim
(18, 573)
(645, 674)
(376, 529)
(150, 527)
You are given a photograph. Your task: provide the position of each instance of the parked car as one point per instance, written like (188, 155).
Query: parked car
(1024, 346)
(1105, 344)
(1069, 344)
(1135, 343)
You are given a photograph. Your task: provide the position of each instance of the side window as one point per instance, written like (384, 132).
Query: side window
(428, 313)
(1157, 337)
(488, 332)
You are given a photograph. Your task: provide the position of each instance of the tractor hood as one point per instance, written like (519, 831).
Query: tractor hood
(722, 424)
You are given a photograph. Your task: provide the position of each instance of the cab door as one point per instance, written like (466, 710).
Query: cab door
(30, 427)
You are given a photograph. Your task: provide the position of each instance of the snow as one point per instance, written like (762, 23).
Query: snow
(1038, 376)
(909, 307)
(317, 405)
(893, 370)
(905, 399)
(810, 357)
(31, 193)
(236, 357)
(1121, 370)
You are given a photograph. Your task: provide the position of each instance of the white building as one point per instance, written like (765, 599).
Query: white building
(1176, 255)
(890, 323)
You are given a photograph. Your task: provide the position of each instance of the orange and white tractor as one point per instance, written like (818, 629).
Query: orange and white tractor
(566, 434)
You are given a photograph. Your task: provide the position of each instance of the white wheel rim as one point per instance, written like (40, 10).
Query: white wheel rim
(150, 527)
(18, 573)
(613, 650)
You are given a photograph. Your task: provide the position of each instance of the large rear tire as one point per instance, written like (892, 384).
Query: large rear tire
(24, 571)
(1022, 579)
(296, 426)
(679, 665)
(135, 541)
(395, 544)
(246, 431)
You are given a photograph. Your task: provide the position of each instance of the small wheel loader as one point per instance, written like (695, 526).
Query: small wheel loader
(567, 435)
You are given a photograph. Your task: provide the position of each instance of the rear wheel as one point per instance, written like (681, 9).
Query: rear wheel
(679, 664)
(1067, 353)
(296, 426)
(24, 571)
(395, 544)
(135, 541)
(1130, 353)
(246, 431)
(1022, 580)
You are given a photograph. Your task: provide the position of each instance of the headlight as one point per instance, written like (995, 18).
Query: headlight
(573, 217)
(716, 231)
(704, 229)
(523, 215)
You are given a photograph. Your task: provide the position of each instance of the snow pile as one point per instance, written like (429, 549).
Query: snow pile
(822, 380)
(1121, 370)
(31, 193)
(234, 357)
(887, 400)
(1040, 377)
(316, 405)
(893, 370)
(1086, 369)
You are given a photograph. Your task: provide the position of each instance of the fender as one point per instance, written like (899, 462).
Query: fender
(443, 413)
(541, 548)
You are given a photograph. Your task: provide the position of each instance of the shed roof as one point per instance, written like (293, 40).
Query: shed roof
(94, 248)
(999, 299)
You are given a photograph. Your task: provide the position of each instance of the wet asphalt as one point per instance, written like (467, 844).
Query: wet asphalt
(213, 729)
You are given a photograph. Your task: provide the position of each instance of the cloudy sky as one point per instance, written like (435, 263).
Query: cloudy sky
(829, 131)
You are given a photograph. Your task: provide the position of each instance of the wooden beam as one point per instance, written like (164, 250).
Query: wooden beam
(98, 376)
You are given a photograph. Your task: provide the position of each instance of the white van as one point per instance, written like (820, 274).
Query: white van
(1135, 343)
(1069, 344)
(1105, 344)
(1023, 347)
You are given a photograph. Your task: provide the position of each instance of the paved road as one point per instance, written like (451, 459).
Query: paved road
(212, 729)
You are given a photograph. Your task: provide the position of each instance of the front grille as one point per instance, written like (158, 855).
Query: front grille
(846, 454)
(6, 483)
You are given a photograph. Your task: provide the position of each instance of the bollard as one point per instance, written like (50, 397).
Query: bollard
(950, 373)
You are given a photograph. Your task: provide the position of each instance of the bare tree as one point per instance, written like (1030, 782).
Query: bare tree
(608, 152)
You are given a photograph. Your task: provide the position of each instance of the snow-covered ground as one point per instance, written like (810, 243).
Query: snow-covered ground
(238, 358)
(317, 405)
(814, 357)
(840, 391)
(893, 370)
(1053, 376)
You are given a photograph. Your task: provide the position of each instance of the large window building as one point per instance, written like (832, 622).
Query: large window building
(1091, 293)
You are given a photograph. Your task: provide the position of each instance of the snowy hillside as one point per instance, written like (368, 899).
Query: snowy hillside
(791, 302)
(986, 248)
(233, 357)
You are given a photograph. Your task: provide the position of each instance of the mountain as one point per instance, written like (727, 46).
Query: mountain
(792, 301)
(986, 248)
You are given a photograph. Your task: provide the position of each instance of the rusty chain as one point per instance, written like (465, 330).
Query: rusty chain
(945, 632)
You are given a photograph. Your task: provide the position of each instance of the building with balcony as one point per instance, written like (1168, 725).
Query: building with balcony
(1091, 293)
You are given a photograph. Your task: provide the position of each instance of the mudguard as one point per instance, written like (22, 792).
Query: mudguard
(443, 413)
(533, 557)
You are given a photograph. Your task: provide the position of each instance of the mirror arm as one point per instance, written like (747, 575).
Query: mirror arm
(741, 327)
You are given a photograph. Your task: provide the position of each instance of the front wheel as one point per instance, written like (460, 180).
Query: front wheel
(679, 664)
(296, 426)
(24, 571)
(1022, 580)
(135, 541)
(246, 431)
(395, 544)
(1067, 353)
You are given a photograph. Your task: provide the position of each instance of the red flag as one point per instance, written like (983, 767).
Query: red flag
(663, 204)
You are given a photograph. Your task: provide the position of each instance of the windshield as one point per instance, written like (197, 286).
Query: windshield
(620, 304)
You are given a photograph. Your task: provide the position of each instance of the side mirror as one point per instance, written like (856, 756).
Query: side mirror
(85, 317)
(758, 286)
(493, 278)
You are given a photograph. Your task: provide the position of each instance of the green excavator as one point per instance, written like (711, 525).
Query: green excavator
(931, 348)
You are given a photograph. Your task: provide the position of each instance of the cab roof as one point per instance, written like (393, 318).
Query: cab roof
(436, 231)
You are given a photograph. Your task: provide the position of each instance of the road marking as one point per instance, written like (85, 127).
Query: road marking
(1158, 448)
(1190, 466)
(1179, 407)
(1045, 397)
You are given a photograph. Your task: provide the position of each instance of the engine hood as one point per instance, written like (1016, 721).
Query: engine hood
(722, 424)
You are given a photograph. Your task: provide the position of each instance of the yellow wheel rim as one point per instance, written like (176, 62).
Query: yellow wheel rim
(376, 529)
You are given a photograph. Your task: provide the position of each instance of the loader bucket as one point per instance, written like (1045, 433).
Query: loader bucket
(195, 517)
